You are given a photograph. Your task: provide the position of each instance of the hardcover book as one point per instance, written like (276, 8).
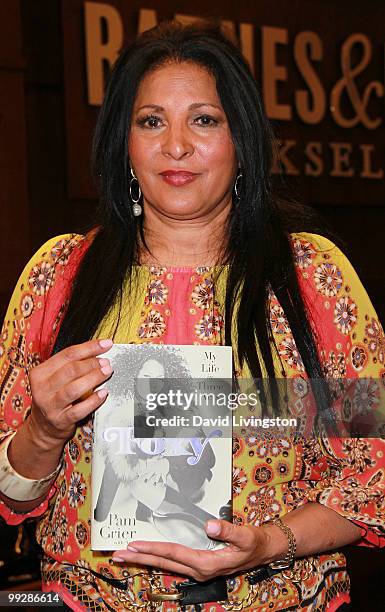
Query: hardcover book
(166, 482)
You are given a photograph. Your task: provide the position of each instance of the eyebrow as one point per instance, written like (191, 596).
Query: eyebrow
(193, 106)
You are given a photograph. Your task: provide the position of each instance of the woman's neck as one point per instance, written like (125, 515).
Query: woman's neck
(186, 242)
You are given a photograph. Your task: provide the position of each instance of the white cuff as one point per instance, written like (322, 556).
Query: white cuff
(17, 487)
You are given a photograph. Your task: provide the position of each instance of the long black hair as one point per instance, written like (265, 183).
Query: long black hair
(258, 249)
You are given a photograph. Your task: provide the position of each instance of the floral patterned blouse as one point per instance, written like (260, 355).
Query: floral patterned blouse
(271, 476)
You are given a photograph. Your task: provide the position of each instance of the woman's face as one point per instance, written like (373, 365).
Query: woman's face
(152, 368)
(178, 123)
(150, 377)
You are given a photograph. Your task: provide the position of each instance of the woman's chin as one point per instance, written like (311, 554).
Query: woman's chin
(179, 209)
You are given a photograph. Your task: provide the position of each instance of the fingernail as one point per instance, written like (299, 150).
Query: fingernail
(105, 343)
(103, 362)
(132, 549)
(106, 370)
(118, 559)
(102, 393)
(213, 528)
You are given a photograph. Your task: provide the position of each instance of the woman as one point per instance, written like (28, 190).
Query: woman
(190, 247)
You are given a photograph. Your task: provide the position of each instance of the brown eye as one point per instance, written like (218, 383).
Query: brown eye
(150, 121)
(207, 121)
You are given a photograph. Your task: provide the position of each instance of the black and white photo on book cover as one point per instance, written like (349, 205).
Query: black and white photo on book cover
(161, 487)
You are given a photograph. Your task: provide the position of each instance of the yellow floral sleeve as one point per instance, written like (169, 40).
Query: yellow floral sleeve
(32, 316)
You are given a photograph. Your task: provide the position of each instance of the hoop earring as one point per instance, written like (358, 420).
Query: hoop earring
(239, 177)
(136, 209)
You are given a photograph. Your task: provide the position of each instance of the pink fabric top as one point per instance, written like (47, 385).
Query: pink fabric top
(271, 477)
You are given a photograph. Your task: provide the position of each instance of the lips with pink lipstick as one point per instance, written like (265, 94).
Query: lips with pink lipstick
(178, 178)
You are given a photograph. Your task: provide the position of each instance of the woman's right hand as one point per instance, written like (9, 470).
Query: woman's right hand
(63, 390)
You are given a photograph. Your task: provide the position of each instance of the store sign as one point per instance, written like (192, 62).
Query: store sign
(328, 107)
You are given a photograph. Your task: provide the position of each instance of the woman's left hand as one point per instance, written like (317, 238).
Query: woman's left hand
(247, 548)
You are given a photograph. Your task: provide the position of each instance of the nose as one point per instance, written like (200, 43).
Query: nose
(177, 142)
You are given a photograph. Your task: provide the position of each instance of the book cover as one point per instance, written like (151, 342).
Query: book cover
(165, 485)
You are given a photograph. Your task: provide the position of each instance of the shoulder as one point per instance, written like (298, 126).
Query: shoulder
(309, 248)
(56, 249)
(324, 266)
(320, 260)
(40, 274)
(338, 302)
(41, 291)
(55, 254)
